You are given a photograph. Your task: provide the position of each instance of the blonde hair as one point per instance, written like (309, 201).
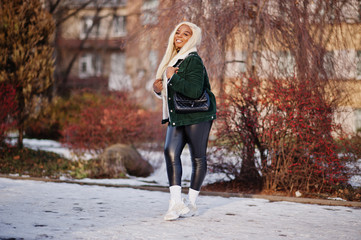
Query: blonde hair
(171, 51)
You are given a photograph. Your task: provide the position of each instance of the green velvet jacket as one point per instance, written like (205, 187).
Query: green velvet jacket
(190, 80)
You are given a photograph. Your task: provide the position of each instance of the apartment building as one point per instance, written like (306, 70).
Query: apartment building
(91, 46)
(342, 60)
(114, 46)
(103, 45)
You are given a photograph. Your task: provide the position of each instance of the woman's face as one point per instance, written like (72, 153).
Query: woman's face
(182, 35)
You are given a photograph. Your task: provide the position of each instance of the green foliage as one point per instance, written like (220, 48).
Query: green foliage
(26, 61)
(34, 163)
(39, 163)
(90, 169)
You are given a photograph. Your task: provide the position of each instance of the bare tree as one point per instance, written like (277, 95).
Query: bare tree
(290, 75)
(289, 97)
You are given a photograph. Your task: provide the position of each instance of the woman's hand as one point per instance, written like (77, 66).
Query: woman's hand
(158, 85)
(170, 71)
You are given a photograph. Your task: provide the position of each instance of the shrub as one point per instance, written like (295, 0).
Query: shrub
(281, 134)
(60, 112)
(111, 119)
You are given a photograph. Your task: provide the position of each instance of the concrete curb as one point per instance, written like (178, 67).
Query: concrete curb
(270, 198)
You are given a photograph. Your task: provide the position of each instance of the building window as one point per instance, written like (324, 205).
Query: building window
(329, 64)
(149, 12)
(97, 63)
(243, 63)
(357, 117)
(89, 28)
(117, 2)
(153, 60)
(286, 64)
(236, 62)
(119, 26)
(118, 79)
(358, 65)
(90, 65)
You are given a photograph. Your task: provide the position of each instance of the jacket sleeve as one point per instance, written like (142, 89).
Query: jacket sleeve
(189, 80)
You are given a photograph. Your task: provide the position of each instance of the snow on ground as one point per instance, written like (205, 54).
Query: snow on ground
(158, 178)
(51, 146)
(40, 210)
(155, 158)
(45, 210)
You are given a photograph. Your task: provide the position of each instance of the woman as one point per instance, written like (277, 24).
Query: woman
(181, 70)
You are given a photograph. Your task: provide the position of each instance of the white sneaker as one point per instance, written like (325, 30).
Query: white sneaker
(193, 210)
(175, 210)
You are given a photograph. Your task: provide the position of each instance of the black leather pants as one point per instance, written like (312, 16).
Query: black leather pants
(196, 136)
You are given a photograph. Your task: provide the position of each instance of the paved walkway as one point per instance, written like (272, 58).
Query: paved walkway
(47, 210)
(328, 202)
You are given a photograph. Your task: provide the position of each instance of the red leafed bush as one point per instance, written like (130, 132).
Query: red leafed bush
(281, 132)
(8, 108)
(114, 119)
(303, 152)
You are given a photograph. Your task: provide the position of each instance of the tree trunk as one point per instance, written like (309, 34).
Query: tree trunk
(20, 115)
(21, 136)
(249, 173)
